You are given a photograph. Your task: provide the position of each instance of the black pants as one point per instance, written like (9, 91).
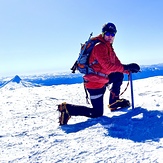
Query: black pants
(116, 80)
(96, 97)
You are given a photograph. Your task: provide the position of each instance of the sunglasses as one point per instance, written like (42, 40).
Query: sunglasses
(110, 34)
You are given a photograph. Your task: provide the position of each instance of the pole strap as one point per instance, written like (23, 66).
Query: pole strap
(113, 94)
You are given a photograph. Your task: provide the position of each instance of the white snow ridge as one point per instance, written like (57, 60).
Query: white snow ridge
(29, 129)
(15, 83)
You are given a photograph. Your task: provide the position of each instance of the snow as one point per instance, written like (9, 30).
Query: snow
(29, 129)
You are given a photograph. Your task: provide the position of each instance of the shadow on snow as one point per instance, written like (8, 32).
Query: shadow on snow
(138, 125)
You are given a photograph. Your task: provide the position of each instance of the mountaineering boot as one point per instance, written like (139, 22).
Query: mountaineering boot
(118, 104)
(64, 114)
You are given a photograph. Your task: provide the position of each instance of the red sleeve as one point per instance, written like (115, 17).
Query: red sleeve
(107, 59)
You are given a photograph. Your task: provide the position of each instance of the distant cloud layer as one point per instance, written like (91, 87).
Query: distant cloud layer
(69, 78)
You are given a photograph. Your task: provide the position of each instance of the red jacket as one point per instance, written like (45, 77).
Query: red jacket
(108, 63)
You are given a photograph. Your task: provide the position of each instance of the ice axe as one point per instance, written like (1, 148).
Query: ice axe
(133, 68)
(132, 93)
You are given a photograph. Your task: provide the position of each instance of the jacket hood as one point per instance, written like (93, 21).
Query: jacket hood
(99, 37)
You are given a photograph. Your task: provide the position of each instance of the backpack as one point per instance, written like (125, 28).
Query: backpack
(82, 63)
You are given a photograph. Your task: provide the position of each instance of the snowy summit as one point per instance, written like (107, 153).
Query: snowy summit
(30, 132)
(16, 82)
(16, 79)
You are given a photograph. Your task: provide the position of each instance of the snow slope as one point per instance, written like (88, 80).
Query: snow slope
(29, 130)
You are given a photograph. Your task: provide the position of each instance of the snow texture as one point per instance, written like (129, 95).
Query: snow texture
(29, 129)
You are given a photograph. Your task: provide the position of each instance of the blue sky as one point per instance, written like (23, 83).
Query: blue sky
(39, 36)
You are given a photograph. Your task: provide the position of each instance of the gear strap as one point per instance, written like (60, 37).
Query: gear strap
(124, 89)
(120, 100)
(87, 98)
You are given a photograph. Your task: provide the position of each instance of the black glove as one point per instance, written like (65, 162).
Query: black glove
(132, 67)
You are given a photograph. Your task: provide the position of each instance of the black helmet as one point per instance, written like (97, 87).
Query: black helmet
(109, 27)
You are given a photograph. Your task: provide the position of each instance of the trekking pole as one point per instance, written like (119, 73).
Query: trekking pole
(132, 93)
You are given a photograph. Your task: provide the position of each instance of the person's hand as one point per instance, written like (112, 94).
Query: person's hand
(132, 67)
